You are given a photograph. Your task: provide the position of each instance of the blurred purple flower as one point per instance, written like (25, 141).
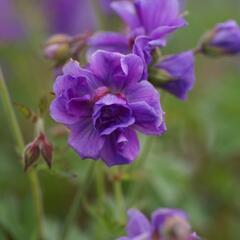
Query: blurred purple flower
(149, 21)
(106, 6)
(223, 39)
(104, 105)
(11, 27)
(152, 18)
(179, 73)
(70, 16)
(165, 224)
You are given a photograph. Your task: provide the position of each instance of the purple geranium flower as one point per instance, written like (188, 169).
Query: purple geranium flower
(165, 224)
(70, 16)
(178, 71)
(104, 105)
(149, 21)
(223, 39)
(11, 27)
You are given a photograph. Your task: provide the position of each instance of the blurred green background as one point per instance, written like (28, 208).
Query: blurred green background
(194, 166)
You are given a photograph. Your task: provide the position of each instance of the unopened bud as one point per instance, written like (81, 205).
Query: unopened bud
(39, 146)
(223, 39)
(58, 47)
(31, 154)
(46, 150)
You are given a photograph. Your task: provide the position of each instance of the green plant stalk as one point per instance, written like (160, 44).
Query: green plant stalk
(119, 198)
(98, 13)
(16, 132)
(100, 185)
(78, 199)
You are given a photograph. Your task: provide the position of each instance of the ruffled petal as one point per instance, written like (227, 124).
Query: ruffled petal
(85, 139)
(147, 120)
(160, 216)
(126, 10)
(60, 114)
(105, 64)
(143, 97)
(121, 147)
(138, 224)
(75, 77)
(109, 41)
(156, 13)
(133, 67)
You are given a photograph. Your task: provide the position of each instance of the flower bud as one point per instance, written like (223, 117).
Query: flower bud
(58, 47)
(31, 154)
(39, 146)
(175, 74)
(46, 150)
(223, 39)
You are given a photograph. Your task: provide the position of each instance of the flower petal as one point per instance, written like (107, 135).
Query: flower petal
(143, 97)
(138, 224)
(126, 10)
(60, 114)
(132, 66)
(147, 120)
(121, 147)
(85, 140)
(110, 41)
(156, 13)
(104, 64)
(160, 216)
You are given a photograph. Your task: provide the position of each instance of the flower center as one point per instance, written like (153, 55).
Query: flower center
(110, 113)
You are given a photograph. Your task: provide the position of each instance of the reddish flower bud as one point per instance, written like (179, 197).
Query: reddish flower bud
(31, 154)
(40, 145)
(46, 150)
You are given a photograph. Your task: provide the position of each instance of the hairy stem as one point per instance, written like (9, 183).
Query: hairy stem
(78, 199)
(17, 134)
(119, 198)
(100, 185)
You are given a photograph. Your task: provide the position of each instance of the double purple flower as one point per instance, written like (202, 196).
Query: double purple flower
(149, 21)
(166, 224)
(104, 105)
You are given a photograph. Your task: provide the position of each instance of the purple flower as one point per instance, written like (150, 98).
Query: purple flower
(104, 105)
(149, 21)
(153, 18)
(177, 73)
(165, 224)
(70, 16)
(222, 40)
(11, 27)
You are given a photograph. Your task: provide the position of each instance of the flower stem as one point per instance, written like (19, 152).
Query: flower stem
(117, 185)
(100, 185)
(79, 197)
(32, 175)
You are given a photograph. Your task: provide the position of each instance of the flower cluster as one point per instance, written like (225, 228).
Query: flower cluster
(105, 102)
(166, 224)
(149, 24)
